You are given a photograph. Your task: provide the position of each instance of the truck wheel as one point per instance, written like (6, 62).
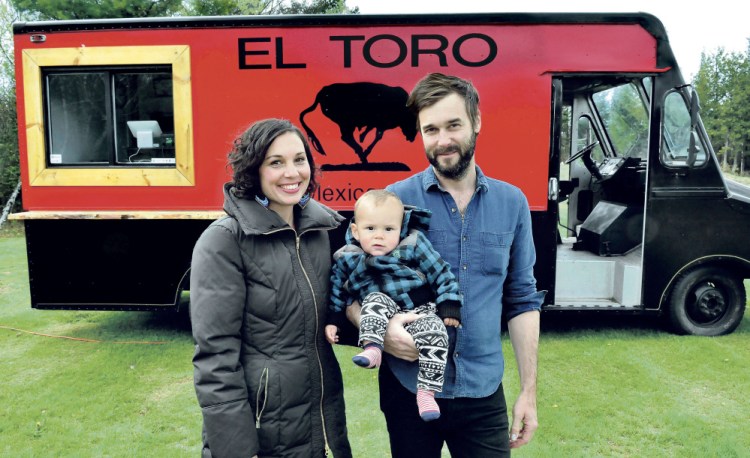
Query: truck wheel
(707, 301)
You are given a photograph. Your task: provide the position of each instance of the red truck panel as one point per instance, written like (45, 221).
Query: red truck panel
(511, 65)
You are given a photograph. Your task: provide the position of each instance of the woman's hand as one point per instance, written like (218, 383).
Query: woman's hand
(451, 322)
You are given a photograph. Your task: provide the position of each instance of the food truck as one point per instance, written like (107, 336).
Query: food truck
(125, 125)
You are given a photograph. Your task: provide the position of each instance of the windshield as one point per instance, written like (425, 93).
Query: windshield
(625, 118)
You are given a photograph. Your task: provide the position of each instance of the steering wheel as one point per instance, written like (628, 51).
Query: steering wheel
(584, 150)
(585, 153)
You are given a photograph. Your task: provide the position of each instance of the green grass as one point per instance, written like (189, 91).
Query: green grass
(608, 386)
(12, 229)
(744, 179)
(61, 397)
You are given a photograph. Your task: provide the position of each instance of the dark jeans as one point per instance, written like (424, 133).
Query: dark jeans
(472, 427)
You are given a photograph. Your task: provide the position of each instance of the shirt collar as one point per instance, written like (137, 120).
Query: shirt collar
(255, 219)
(430, 181)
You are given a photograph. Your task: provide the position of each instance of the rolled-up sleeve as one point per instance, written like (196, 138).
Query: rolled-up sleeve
(217, 301)
(519, 291)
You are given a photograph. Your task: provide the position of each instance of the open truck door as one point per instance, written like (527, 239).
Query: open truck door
(645, 215)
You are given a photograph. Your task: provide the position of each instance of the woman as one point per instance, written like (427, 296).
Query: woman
(267, 381)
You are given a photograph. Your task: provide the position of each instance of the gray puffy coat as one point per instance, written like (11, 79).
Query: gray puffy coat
(267, 381)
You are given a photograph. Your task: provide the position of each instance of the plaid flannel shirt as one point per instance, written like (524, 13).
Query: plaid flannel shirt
(412, 265)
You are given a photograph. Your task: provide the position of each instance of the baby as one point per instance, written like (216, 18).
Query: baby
(391, 267)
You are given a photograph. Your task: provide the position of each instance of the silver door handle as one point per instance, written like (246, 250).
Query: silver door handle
(553, 189)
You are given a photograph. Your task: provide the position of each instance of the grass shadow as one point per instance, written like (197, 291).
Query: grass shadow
(562, 323)
(552, 323)
(167, 325)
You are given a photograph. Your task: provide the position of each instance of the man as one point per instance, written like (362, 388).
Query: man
(482, 228)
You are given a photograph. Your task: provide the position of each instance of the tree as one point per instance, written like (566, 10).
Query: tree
(9, 168)
(96, 9)
(256, 7)
(317, 7)
(723, 85)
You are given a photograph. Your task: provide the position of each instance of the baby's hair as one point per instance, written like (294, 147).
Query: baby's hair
(377, 196)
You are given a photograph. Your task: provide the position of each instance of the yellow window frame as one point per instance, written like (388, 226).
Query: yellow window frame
(178, 57)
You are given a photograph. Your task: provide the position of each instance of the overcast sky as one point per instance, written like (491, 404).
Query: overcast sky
(692, 27)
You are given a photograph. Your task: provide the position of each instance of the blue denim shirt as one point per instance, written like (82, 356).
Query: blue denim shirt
(491, 252)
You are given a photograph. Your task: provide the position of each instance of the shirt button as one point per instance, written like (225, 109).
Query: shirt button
(465, 267)
(465, 238)
(453, 210)
(455, 355)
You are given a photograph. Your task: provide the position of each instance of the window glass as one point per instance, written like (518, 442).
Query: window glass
(78, 120)
(676, 133)
(93, 108)
(111, 117)
(587, 136)
(145, 98)
(648, 83)
(625, 118)
(566, 128)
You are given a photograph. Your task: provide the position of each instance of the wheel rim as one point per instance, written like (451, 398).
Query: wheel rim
(709, 304)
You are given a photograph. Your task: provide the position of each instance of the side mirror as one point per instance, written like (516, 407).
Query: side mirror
(692, 150)
(695, 108)
(694, 111)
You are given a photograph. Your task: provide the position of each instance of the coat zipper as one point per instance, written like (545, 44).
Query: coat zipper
(264, 388)
(317, 352)
(297, 238)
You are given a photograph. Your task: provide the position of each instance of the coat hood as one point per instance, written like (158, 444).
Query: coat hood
(415, 218)
(256, 219)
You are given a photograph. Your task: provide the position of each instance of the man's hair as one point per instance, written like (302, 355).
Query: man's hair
(249, 151)
(377, 196)
(435, 87)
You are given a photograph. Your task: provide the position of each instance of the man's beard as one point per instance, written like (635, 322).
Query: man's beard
(460, 168)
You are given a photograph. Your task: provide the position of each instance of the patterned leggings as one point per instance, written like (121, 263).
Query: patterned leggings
(428, 332)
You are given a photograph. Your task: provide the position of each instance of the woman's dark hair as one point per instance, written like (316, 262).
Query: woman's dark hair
(249, 151)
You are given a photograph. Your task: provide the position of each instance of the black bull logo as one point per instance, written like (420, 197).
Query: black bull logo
(367, 107)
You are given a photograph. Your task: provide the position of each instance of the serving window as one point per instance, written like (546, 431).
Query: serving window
(109, 116)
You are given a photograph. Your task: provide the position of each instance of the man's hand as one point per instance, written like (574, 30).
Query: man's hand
(524, 420)
(397, 341)
(524, 335)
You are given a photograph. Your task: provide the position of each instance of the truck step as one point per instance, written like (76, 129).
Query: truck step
(591, 305)
(586, 280)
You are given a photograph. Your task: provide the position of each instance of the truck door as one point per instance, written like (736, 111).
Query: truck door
(695, 257)
(604, 131)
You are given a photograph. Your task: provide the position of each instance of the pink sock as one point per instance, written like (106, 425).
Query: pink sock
(428, 408)
(370, 357)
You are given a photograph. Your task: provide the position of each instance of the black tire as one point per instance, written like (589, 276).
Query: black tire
(707, 301)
